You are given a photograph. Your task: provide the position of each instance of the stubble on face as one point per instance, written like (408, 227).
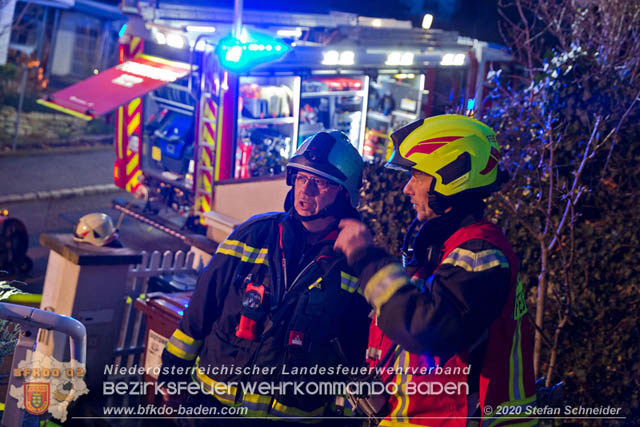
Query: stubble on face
(310, 200)
(418, 189)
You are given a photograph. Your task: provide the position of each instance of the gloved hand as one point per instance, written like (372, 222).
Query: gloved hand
(353, 236)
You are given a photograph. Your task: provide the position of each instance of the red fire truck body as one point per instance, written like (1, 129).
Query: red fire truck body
(206, 140)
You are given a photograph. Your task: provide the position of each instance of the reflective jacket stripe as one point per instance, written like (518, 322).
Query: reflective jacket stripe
(258, 405)
(401, 364)
(221, 391)
(243, 251)
(516, 391)
(183, 346)
(517, 394)
(476, 261)
(384, 284)
(349, 283)
(178, 352)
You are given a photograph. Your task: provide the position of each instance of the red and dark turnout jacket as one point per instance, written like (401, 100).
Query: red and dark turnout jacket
(457, 321)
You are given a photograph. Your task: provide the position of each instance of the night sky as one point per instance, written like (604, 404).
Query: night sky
(472, 18)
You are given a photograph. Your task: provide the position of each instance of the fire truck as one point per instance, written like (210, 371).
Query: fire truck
(207, 112)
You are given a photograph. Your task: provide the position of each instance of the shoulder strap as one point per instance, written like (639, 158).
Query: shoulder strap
(489, 232)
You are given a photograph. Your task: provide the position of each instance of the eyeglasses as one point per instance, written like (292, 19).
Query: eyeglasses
(321, 183)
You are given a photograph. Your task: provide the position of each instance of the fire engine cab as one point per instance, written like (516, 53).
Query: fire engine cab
(206, 120)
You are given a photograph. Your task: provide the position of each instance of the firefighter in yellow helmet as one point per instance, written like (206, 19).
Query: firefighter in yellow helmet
(452, 315)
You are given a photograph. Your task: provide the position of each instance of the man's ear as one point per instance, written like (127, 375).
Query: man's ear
(288, 200)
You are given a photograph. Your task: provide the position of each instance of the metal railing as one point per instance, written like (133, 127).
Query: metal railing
(131, 341)
(30, 320)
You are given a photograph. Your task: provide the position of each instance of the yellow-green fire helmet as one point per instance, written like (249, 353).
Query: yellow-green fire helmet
(459, 152)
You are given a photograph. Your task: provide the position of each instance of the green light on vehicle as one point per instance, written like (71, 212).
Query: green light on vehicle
(255, 49)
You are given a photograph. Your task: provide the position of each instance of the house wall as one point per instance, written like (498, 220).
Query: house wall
(6, 17)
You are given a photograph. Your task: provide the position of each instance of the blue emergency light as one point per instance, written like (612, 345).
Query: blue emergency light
(238, 55)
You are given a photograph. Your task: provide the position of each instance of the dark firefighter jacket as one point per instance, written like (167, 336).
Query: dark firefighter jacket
(310, 298)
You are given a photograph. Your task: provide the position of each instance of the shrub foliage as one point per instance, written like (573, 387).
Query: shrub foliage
(569, 127)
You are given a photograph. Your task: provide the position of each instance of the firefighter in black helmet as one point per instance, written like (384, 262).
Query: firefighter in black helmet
(276, 302)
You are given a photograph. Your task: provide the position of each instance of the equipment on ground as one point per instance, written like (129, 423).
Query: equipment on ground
(14, 243)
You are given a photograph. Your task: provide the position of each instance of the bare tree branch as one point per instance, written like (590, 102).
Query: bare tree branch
(578, 173)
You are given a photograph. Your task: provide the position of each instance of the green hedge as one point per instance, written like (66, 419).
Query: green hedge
(29, 103)
(384, 209)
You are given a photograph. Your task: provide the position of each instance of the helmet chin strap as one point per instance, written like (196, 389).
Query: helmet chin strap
(437, 203)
